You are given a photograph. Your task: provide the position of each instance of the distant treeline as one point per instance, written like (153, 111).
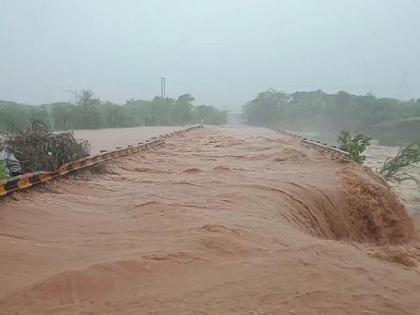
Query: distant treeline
(390, 120)
(90, 112)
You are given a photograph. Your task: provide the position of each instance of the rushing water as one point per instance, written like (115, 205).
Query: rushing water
(108, 139)
(376, 154)
(408, 190)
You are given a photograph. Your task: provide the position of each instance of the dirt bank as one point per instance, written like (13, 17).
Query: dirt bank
(220, 221)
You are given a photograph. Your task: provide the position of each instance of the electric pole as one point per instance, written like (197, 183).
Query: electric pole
(163, 87)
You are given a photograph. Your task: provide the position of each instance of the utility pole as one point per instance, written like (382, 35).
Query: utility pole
(163, 87)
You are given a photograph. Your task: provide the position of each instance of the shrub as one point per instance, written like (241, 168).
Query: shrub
(38, 148)
(354, 145)
(392, 168)
(3, 171)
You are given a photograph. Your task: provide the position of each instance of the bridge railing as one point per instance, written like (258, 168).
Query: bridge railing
(319, 146)
(25, 181)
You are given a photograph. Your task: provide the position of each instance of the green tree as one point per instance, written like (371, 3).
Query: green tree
(90, 112)
(182, 109)
(317, 111)
(267, 108)
(209, 115)
(87, 111)
(115, 116)
(62, 116)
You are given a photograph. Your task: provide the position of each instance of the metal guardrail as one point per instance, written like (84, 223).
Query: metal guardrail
(332, 151)
(25, 181)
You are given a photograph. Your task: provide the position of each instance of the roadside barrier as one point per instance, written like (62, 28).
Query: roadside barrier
(332, 151)
(25, 181)
(289, 134)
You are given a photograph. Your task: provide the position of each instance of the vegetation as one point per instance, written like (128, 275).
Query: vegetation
(355, 145)
(3, 171)
(317, 111)
(39, 148)
(393, 168)
(14, 116)
(29, 129)
(89, 112)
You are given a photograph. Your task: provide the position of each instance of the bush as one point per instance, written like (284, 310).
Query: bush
(354, 145)
(392, 169)
(3, 171)
(39, 149)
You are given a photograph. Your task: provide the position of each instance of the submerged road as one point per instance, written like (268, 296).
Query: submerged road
(217, 221)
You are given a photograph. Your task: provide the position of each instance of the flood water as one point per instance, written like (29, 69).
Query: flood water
(219, 221)
(108, 139)
(376, 155)
(408, 190)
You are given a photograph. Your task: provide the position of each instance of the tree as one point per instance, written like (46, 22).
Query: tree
(160, 111)
(13, 117)
(87, 110)
(90, 112)
(182, 109)
(266, 108)
(62, 116)
(317, 111)
(209, 115)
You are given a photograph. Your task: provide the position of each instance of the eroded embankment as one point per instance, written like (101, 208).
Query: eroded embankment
(220, 221)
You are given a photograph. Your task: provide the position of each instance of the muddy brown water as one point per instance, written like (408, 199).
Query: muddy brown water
(108, 139)
(217, 221)
(408, 190)
(376, 154)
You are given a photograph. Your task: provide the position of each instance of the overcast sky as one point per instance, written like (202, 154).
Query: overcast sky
(221, 51)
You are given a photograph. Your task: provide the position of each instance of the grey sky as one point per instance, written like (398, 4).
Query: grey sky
(221, 51)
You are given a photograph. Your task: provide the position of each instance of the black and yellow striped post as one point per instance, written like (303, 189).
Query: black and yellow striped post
(25, 181)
